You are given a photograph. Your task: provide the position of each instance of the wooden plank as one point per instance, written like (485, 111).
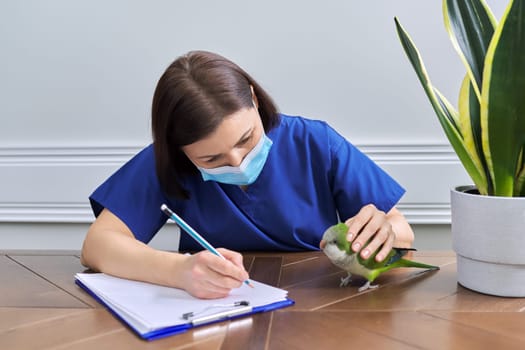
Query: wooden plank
(428, 332)
(247, 262)
(327, 330)
(467, 300)
(501, 324)
(248, 333)
(12, 318)
(23, 288)
(291, 258)
(320, 292)
(205, 338)
(57, 331)
(59, 270)
(266, 270)
(383, 330)
(287, 257)
(306, 269)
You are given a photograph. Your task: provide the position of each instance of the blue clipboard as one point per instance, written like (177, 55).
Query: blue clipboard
(197, 322)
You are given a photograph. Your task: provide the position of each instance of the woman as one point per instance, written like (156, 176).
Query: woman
(244, 176)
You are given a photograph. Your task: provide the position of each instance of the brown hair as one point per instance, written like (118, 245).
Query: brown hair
(195, 93)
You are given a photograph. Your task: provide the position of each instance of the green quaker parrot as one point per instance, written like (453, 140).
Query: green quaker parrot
(337, 248)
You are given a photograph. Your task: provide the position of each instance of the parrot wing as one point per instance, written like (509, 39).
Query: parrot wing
(394, 255)
(395, 261)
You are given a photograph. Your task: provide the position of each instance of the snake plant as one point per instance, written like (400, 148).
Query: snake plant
(487, 130)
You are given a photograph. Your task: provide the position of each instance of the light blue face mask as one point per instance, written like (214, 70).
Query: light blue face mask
(247, 172)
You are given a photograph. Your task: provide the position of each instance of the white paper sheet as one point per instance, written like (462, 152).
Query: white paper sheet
(148, 307)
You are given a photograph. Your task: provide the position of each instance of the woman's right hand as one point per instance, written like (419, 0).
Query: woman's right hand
(110, 247)
(208, 276)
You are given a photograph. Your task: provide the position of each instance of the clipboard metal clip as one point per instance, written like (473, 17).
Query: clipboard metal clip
(224, 315)
(191, 315)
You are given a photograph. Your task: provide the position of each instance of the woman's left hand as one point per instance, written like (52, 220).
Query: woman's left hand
(373, 226)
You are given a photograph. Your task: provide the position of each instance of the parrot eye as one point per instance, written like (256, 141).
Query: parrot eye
(334, 241)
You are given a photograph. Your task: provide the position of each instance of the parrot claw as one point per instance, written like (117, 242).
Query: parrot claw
(366, 286)
(345, 280)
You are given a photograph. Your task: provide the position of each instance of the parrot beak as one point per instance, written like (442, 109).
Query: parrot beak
(322, 244)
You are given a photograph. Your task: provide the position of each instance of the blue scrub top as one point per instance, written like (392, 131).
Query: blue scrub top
(313, 176)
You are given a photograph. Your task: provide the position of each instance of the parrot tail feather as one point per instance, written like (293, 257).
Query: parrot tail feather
(399, 263)
(411, 263)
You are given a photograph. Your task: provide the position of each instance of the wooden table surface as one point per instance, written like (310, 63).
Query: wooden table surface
(42, 308)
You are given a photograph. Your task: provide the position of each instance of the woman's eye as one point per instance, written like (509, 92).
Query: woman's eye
(211, 160)
(245, 140)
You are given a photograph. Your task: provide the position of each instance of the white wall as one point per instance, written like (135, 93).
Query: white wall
(77, 77)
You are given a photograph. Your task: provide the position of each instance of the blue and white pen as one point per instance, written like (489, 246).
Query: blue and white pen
(184, 225)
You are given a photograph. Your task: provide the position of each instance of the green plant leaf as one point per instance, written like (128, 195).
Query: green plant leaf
(503, 99)
(469, 124)
(470, 25)
(447, 115)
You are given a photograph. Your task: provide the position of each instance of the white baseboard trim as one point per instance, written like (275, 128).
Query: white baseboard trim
(69, 155)
(52, 184)
(46, 213)
(416, 213)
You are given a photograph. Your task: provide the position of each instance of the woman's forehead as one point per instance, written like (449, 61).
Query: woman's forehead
(229, 132)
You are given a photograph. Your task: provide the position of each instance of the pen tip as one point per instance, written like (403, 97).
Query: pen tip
(163, 207)
(249, 284)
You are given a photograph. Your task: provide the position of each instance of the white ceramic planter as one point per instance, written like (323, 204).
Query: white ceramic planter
(488, 236)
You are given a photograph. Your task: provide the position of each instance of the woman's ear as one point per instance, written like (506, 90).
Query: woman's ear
(254, 98)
